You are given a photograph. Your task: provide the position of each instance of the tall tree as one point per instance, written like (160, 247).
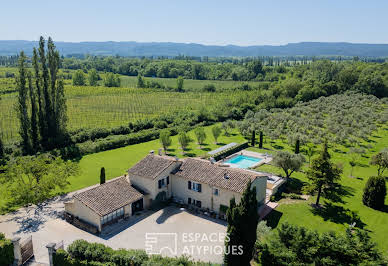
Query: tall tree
(38, 87)
(79, 78)
(48, 113)
(216, 131)
(200, 135)
(179, 84)
(22, 105)
(34, 130)
(165, 139)
(102, 175)
(381, 161)
(288, 162)
(93, 77)
(323, 173)
(242, 225)
(183, 140)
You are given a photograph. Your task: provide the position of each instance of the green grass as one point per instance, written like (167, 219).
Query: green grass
(301, 213)
(298, 212)
(117, 161)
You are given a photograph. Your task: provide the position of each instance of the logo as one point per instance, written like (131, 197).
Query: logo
(158, 243)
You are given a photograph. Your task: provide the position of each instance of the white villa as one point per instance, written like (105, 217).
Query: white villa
(192, 181)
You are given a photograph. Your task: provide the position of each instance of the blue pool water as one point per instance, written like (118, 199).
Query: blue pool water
(242, 161)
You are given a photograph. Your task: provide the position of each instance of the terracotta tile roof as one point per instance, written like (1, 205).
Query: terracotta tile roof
(213, 174)
(110, 196)
(152, 166)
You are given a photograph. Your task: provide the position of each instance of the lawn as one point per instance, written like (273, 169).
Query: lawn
(337, 215)
(118, 161)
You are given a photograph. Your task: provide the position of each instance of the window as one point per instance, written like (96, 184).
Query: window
(161, 183)
(112, 216)
(168, 180)
(215, 191)
(194, 186)
(194, 202)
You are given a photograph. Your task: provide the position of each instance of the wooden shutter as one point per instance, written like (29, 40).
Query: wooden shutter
(189, 185)
(160, 183)
(199, 204)
(199, 186)
(168, 180)
(189, 200)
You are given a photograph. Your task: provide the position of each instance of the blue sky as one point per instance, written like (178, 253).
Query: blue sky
(199, 21)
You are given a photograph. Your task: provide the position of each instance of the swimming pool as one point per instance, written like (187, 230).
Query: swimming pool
(242, 161)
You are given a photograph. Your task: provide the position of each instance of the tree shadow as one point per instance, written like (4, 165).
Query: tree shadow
(294, 185)
(171, 150)
(278, 147)
(190, 154)
(339, 151)
(167, 213)
(273, 218)
(206, 149)
(338, 214)
(337, 192)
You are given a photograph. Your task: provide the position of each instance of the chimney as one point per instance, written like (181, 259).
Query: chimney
(212, 161)
(226, 176)
(127, 179)
(152, 152)
(160, 152)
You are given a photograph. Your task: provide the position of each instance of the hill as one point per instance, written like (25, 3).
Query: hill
(9, 47)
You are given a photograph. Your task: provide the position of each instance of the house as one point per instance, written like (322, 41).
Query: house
(194, 181)
(199, 183)
(104, 204)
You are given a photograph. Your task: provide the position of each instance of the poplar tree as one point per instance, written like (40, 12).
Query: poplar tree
(34, 119)
(22, 105)
(37, 77)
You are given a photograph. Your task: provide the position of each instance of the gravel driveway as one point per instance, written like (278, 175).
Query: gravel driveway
(170, 231)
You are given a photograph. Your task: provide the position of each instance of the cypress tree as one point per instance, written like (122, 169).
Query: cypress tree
(261, 140)
(34, 122)
(242, 224)
(253, 140)
(22, 105)
(297, 146)
(374, 192)
(102, 175)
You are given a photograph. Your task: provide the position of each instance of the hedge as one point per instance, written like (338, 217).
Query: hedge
(6, 251)
(83, 253)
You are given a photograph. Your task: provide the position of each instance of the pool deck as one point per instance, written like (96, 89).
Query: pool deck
(265, 158)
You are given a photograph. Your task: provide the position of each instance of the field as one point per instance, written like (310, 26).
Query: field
(102, 107)
(189, 84)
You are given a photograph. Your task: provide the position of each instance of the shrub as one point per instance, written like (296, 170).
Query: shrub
(6, 251)
(374, 192)
(209, 88)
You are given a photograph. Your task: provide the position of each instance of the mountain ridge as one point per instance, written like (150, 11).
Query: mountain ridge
(132, 48)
